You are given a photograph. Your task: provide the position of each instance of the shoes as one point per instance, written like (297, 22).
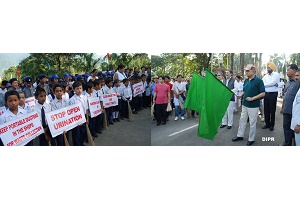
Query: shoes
(122, 118)
(265, 127)
(283, 144)
(237, 139)
(193, 116)
(114, 120)
(99, 131)
(228, 127)
(182, 118)
(95, 135)
(163, 123)
(176, 118)
(118, 119)
(222, 126)
(262, 119)
(134, 112)
(250, 142)
(271, 128)
(111, 122)
(158, 124)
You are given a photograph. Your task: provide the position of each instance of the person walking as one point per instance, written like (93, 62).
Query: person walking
(253, 91)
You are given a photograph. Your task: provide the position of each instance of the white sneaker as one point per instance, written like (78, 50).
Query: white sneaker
(182, 118)
(176, 118)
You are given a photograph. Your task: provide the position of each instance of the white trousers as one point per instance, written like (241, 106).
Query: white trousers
(228, 117)
(252, 114)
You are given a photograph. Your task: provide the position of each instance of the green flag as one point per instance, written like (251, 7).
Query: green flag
(210, 97)
(195, 94)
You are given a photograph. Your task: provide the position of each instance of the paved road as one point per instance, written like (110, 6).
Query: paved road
(126, 133)
(184, 132)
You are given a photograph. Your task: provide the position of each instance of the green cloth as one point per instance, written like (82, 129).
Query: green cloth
(210, 98)
(252, 88)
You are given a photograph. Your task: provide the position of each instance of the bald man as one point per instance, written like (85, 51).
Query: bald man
(271, 80)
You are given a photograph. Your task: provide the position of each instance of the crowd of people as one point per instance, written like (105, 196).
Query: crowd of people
(53, 93)
(256, 96)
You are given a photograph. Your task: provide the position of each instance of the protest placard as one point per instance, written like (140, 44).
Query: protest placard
(110, 100)
(94, 106)
(2, 110)
(21, 130)
(138, 88)
(30, 101)
(65, 119)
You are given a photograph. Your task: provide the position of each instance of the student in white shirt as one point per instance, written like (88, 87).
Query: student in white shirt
(108, 89)
(126, 97)
(79, 132)
(116, 109)
(120, 74)
(13, 111)
(58, 103)
(41, 107)
(3, 87)
(24, 105)
(271, 80)
(98, 92)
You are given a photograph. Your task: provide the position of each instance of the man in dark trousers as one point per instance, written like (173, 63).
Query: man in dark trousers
(229, 81)
(290, 92)
(271, 81)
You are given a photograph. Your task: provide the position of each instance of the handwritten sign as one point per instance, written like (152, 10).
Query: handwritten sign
(138, 88)
(110, 100)
(65, 119)
(30, 101)
(94, 106)
(2, 110)
(21, 130)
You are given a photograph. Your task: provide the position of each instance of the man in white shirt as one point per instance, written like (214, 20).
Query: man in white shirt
(271, 80)
(179, 90)
(295, 123)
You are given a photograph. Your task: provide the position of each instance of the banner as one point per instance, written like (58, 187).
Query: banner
(110, 100)
(94, 106)
(21, 130)
(2, 110)
(65, 119)
(138, 88)
(30, 101)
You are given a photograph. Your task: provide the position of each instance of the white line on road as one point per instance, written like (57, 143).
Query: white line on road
(184, 130)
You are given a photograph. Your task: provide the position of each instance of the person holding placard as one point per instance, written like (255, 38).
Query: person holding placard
(109, 111)
(42, 107)
(89, 88)
(79, 132)
(116, 109)
(13, 111)
(98, 93)
(126, 97)
(58, 103)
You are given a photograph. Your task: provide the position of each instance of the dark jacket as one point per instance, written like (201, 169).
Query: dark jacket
(230, 86)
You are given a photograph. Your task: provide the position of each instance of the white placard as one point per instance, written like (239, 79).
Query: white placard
(65, 119)
(30, 101)
(94, 106)
(110, 100)
(138, 88)
(21, 130)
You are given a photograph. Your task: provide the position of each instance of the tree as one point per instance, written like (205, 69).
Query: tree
(11, 72)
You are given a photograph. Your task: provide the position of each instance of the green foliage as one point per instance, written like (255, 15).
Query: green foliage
(59, 63)
(10, 73)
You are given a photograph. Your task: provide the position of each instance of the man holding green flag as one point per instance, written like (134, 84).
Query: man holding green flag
(210, 98)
